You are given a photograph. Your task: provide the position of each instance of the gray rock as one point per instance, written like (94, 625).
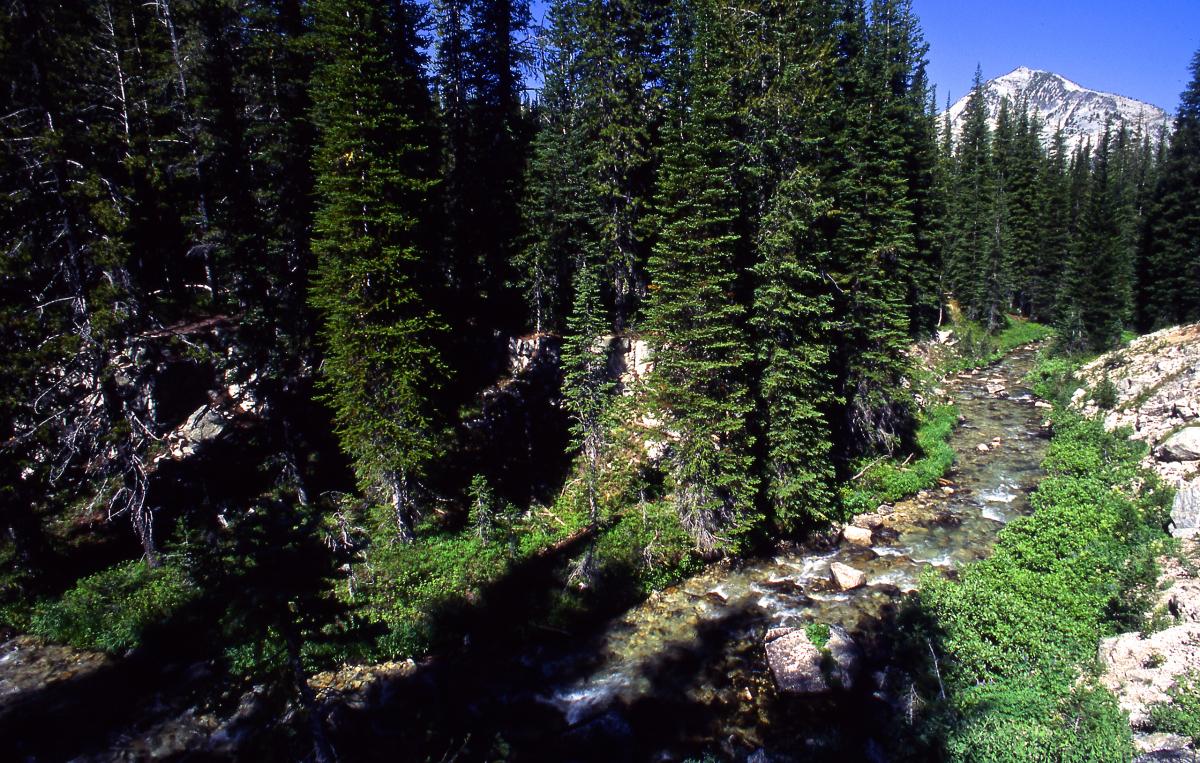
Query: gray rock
(206, 425)
(1184, 445)
(1163, 747)
(857, 536)
(846, 577)
(1185, 512)
(799, 667)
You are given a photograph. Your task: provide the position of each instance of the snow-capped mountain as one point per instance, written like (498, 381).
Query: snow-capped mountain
(1059, 102)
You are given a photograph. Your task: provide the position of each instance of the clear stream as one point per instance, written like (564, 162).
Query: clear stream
(684, 674)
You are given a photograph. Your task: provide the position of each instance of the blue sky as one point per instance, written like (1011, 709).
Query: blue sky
(1139, 49)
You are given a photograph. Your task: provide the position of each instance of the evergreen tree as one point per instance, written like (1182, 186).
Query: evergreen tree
(700, 385)
(555, 210)
(1097, 285)
(1044, 271)
(970, 260)
(1173, 242)
(372, 284)
(792, 319)
(587, 391)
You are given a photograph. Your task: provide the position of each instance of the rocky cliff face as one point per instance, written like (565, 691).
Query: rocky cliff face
(1152, 387)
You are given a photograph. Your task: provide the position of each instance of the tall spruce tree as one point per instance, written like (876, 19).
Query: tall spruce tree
(701, 386)
(792, 320)
(1172, 251)
(1097, 286)
(372, 285)
(972, 232)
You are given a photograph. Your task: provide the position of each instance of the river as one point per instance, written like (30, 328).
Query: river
(684, 675)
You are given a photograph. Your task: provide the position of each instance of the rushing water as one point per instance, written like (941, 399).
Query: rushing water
(686, 671)
(678, 677)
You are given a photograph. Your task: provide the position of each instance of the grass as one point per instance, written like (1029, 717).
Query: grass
(891, 480)
(112, 610)
(977, 348)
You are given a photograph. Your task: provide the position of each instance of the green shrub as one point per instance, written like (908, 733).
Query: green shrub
(1053, 379)
(818, 634)
(1182, 714)
(112, 610)
(1011, 722)
(650, 545)
(1017, 630)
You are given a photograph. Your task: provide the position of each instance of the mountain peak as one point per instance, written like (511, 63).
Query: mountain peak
(1080, 112)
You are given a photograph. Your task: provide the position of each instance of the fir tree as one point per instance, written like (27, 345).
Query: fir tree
(792, 319)
(371, 287)
(1173, 248)
(702, 354)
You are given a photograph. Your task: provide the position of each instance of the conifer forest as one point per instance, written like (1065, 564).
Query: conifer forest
(428, 339)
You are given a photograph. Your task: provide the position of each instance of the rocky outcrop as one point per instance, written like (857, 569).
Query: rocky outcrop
(1152, 387)
(1140, 670)
(1184, 445)
(1155, 381)
(802, 668)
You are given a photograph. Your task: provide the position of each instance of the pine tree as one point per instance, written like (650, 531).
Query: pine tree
(871, 240)
(1173, 241)
(1044, 274)
(556, 212)
(372, 284)
(1097, 285)
(702, 354)
(587, 391)
(969, 259)
(792, 319)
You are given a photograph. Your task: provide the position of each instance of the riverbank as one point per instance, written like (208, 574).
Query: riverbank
(570, 685)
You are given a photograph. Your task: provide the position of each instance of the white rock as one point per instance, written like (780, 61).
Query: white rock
(1184, 445)
(847, 578)
(857, 536)
(799, 667)
(1185, 512)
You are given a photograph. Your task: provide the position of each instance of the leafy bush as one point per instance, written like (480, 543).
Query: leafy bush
(650, 546)
(112, 610)
(1017, 630)
(1010, 722)
(1053, 379)
(1182, 714)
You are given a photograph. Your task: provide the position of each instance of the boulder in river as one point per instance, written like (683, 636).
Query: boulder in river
(846, 577)
(857, 536)
(1184, 445)
(800, 667)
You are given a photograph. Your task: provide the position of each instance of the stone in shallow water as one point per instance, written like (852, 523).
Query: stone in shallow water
(846, 577)
(799, 667)
(857, 536)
